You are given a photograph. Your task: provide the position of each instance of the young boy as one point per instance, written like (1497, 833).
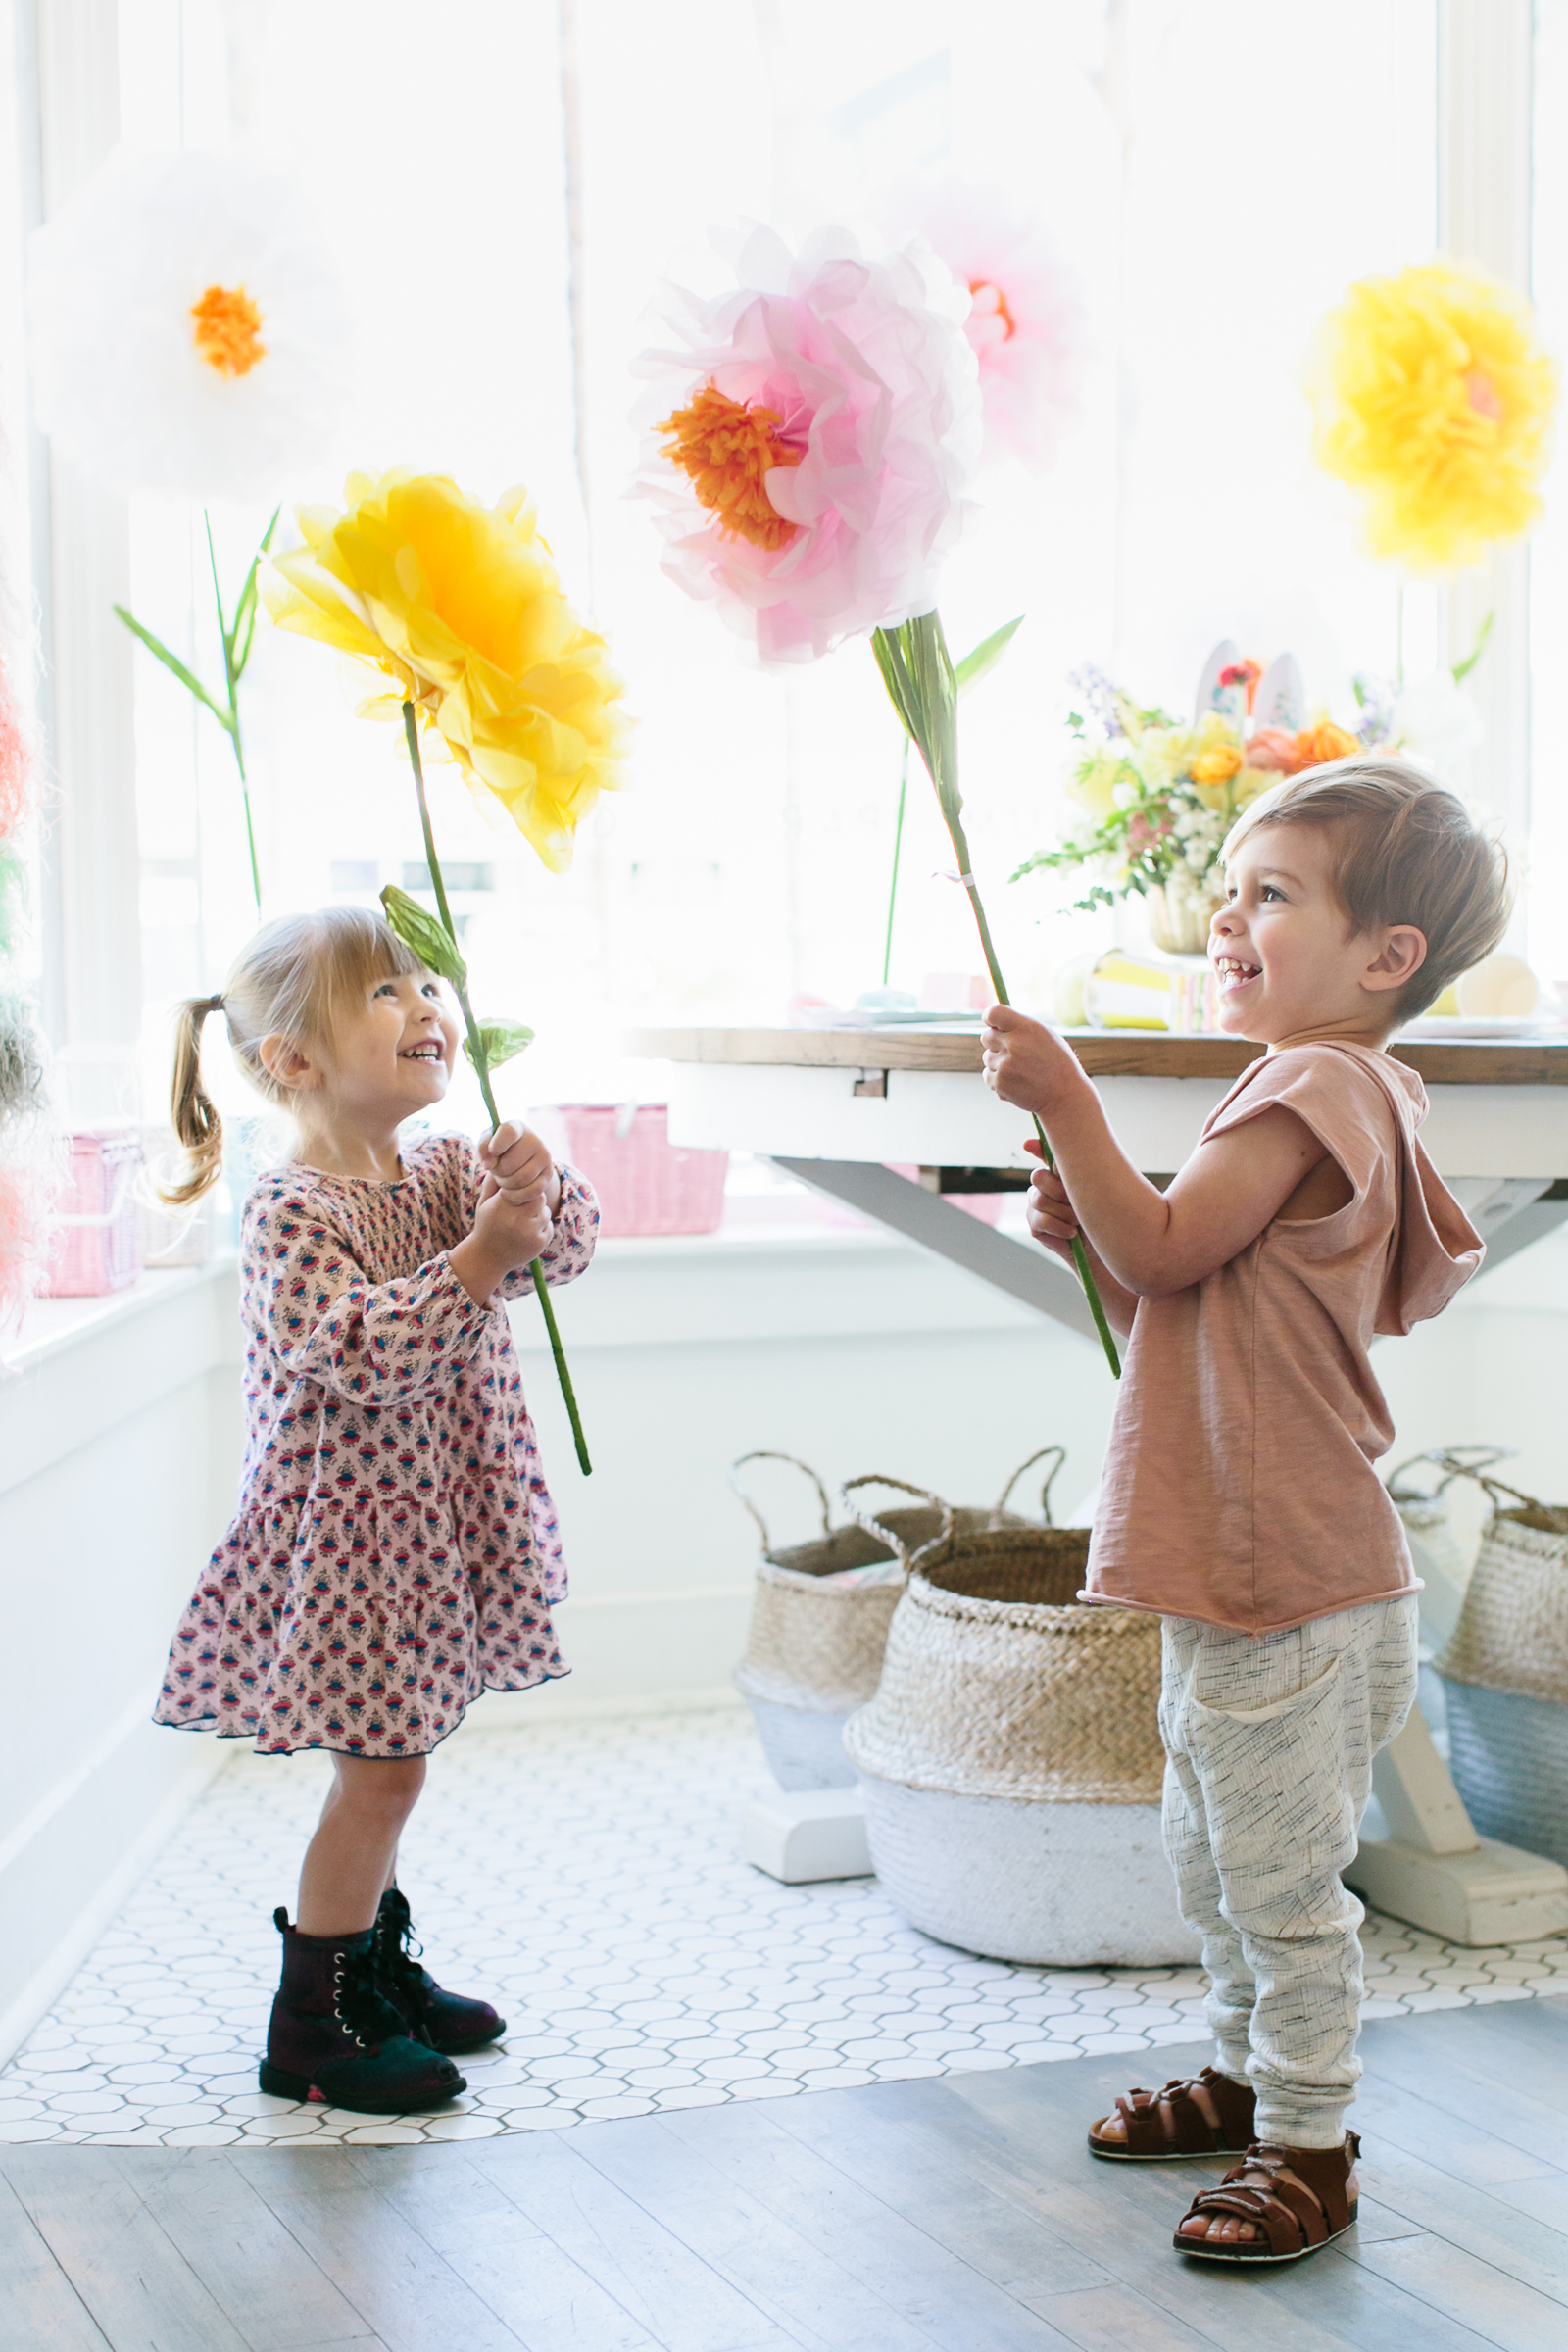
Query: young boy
(1238, 1500)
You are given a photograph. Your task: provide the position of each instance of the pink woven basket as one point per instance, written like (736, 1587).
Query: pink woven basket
(94, 1250)
(644, 1183)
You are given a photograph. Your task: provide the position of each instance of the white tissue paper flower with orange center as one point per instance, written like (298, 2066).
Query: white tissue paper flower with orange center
(187, 326)
(808, 439)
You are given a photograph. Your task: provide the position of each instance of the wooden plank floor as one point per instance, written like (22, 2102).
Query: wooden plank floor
(959, 2211)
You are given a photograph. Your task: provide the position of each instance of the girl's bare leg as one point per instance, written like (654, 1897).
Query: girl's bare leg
(349, 1862)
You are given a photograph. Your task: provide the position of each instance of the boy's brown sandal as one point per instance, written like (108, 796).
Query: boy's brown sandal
(1190, 2132)
(1295, 2219)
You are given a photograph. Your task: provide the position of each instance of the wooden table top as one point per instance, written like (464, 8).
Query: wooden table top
(1103, 1053)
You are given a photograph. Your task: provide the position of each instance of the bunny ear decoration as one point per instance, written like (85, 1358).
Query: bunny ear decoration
(1211, 694)
(1281, 696)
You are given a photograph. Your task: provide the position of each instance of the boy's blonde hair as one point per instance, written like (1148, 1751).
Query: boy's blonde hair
(291, 981)
(1406, 851)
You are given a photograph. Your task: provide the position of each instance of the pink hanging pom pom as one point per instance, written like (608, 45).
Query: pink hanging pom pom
(26, 1195)
(1027, 320)
(18, 765)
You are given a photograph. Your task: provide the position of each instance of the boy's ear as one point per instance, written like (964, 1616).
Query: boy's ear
(287, 1067)
(1400, 957)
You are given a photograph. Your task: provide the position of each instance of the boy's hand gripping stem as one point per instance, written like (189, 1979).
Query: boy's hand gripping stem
(917, 672)
(440, 949)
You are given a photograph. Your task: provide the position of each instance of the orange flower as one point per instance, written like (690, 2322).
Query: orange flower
(1271, 747)
(1316, 745)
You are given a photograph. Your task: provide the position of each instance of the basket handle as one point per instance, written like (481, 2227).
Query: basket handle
(764, 1454)
(1455, 1462)
(895, 1543)
(1495, 1486)
(1061, 1454)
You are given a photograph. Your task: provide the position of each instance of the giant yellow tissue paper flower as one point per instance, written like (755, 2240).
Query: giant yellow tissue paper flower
(460, 605)
(1434, 398)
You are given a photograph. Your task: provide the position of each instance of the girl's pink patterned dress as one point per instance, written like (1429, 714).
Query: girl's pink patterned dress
(396, 1549)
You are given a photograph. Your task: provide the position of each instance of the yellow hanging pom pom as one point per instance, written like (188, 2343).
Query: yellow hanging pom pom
(1435, 397)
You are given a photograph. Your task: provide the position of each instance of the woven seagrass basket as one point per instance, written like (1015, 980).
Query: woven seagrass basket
(820, 1613)
(1505, 1676)
(1011, 1760)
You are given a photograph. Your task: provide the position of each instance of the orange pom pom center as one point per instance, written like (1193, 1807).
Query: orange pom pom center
(727, 447)
(990, 301)
(228, 331)
(1481, 394)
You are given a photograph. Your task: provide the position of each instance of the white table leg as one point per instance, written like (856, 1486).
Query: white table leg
(1435, 1872)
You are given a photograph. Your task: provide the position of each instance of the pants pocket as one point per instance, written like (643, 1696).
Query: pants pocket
(1274, 1785)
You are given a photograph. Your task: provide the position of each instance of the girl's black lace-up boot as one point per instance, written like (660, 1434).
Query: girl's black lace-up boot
(447, 2021)
(334, 2034)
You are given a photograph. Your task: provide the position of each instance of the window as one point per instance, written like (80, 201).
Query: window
(1216, 172)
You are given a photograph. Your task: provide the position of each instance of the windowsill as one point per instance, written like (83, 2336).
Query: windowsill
(52, 1326)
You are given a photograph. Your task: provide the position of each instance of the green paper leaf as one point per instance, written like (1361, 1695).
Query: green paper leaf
(985, 656)
(503, 1042)
(172, 662)
(1462, 670)
(243, 632)
(425, 934)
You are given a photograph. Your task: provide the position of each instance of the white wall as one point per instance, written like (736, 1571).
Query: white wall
(118, 1447)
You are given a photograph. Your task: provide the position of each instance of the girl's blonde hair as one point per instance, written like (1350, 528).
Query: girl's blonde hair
(291, 981)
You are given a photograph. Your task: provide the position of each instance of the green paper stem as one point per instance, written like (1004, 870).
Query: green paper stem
(918, 671)
(480, 1057)
(898, 844)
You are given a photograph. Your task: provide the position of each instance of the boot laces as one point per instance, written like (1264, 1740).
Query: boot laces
(402, 1951)
(359, 2005)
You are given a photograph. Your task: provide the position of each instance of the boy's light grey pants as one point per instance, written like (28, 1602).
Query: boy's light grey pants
(1269, 1743)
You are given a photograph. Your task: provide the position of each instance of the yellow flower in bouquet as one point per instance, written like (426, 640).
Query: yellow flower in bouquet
(1093, 783)
(460, 605)
(1211, 769)
(1434, 398)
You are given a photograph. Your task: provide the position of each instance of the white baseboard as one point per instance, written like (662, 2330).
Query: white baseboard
(58, 1964)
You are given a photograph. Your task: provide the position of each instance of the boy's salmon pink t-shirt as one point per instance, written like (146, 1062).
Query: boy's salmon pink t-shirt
(1239, 1484)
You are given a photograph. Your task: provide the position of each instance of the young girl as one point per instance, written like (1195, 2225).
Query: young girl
(395, 1552)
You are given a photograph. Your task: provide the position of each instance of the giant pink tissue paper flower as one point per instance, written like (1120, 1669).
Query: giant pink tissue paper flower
(810, 439)
(1028, 317)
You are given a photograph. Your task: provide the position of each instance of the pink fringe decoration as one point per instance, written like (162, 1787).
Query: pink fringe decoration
(25, 1200)
(17, 767)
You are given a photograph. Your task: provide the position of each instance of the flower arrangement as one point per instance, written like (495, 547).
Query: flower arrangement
(187, 323)
(459, 604)
(1156, 797)
(1434, 400)
(820, 428)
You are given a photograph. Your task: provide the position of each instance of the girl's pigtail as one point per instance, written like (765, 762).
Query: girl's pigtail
(195, 1114)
